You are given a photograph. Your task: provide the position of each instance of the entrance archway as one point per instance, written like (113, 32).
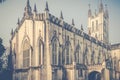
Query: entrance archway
(94, 75)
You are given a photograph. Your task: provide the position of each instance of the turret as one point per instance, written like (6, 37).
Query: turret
(61, 15)
(82, 28)
(101, 6)
(46, 8)
(18, 21)
(27, 10)
(89, 12)
(73, 22)
(61, 18)
(12, 32)
(46, 11)
(106, 11)
(35, 11)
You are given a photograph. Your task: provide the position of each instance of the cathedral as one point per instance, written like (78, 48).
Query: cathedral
(45, 47)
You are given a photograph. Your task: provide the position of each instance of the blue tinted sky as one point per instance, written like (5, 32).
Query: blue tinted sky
(77, 9)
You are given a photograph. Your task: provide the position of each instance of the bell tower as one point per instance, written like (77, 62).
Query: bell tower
(98, 23)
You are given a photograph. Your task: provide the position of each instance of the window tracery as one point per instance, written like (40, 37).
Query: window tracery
(77, 53)
(68, 58)
(26, 54)
(55, 49)
(41, 52)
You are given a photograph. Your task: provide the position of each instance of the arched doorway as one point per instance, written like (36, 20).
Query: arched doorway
(94, 75)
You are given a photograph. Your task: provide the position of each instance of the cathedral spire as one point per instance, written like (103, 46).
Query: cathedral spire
(89, 11)
(73, 22)
(18, 21)
(100, 6)
(35, 9)
(27, 9)
(81, 27)
(28, 3)
(46, 8)
(106, 11)
(12, 32)
(61, 15)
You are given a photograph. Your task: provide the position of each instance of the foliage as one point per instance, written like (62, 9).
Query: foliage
(2, 50)
(5, 73)
(2, 1)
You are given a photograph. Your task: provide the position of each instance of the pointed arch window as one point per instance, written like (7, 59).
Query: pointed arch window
(93, 57)
(55, 51)
(97, 25)
(99, 57)
(26, 54)
(77, 54)
(68, 58)
(92, 26)
(41, 52)
(85, 58)
(67, 54)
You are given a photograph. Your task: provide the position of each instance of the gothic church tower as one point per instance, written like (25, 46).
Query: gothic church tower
(98, 23)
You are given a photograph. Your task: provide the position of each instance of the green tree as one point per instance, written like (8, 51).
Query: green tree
(2, 50)
(5, 72)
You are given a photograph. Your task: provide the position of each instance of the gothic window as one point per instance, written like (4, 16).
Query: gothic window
(77, 53)
(54, 75)
(67, 55)
(92, 26)
(115, 62)
(92, 58)
(25, 76)
(80, 73)
(85, 60)
(67, 52)
(41, 52)
(96, 24)
(26, 54)
(55, 51)
(99, 57)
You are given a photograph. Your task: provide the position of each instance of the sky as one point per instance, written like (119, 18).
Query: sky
(11, 10)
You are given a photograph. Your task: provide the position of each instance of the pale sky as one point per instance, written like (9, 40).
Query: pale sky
(10, 10)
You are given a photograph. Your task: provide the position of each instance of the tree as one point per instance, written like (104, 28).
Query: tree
(1, 1)
(2, 50)
(5, 72)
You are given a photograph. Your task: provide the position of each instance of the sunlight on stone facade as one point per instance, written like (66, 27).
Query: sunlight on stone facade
(45, 47)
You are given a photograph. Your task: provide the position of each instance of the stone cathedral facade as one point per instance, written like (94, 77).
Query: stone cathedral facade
(45, 47)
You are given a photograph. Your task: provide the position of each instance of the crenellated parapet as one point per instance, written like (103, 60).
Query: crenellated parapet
(69, 27)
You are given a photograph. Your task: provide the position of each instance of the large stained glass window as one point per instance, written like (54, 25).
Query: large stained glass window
(55, 51)
(26, 54)
(41, 52)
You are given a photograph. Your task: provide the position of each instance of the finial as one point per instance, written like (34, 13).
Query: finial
(28, 3)
(96, 36)
(89, 11)
(89, 32)
(18, 21)
(73, 22)
(89, 6)
(101, 6)
(27, 9)
(106, 11)
(106, 6)
(46, 8)
(81, 27)
(61, 15)
(95, 11)
(35, 9)
(11, 32)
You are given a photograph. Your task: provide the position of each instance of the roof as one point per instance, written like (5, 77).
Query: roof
(115, 46)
